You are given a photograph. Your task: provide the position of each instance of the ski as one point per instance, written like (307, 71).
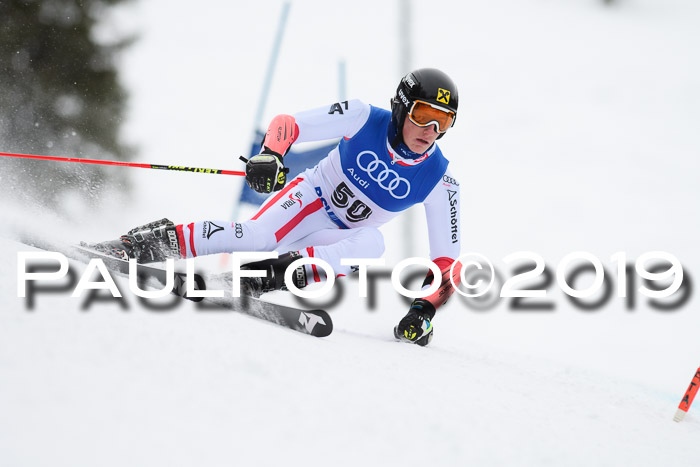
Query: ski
(84, 252)
(316, 323)
(313, 322)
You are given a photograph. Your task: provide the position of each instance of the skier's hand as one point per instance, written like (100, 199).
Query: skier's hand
(265, 172)
(416, 324)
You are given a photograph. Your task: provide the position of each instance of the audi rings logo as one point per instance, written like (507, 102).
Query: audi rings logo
(238, 229)
(387, 179)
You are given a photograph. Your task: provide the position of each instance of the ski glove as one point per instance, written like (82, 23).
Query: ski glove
(265, 172)
(416, 326)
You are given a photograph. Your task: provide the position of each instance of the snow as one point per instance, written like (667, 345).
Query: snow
(577, 131)
(188, 387)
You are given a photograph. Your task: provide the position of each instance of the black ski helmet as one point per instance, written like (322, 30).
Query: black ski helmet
(426, 84)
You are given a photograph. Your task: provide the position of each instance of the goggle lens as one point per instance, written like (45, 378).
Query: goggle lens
(424, 114)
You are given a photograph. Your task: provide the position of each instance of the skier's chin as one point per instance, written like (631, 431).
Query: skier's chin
(420, 145)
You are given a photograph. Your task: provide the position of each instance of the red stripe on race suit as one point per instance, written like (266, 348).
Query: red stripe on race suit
(191, 227)
(277, 197)
(309, 209)
(314, 269)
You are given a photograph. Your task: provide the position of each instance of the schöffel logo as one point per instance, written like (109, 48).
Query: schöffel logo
(387, 179)
(452, 199)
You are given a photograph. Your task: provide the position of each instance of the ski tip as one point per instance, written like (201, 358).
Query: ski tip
(317, 323)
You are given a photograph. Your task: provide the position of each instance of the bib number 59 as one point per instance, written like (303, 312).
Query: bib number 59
(355, 212)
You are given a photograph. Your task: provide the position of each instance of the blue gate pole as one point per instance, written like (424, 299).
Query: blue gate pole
(271, 66)
(265, 89)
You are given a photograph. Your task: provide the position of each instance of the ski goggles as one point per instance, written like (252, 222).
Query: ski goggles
(425, 113)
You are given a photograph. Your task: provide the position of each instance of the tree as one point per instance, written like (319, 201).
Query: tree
(59, 95)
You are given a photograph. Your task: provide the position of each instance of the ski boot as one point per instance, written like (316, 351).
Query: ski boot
(274, 280)
(416, 327)
(150, 243)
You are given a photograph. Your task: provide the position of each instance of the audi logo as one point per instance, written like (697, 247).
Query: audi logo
(239, 230)
(379, 172)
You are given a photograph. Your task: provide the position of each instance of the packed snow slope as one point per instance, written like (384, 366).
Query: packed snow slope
(577, 132)
(115, 384)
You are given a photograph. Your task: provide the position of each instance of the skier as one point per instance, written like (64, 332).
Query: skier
(386, 162)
